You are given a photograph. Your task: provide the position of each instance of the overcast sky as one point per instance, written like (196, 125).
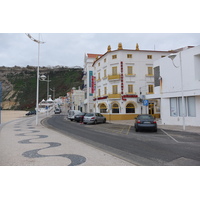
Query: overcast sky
(68, 49)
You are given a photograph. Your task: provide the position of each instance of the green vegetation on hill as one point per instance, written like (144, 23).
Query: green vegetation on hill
(25, 83)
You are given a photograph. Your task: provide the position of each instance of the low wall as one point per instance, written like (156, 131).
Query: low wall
(123, 116)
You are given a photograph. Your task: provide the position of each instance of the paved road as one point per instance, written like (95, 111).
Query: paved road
(162, 148)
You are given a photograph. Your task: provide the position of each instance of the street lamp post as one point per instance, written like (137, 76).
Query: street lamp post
(37, 92)
(42, 78)
(172, 56)
(53, 90)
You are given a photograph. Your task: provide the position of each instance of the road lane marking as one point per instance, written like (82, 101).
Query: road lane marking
(128, 130)
(169, 136)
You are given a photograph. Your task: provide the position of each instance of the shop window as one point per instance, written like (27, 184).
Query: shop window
(130, 108)
(115, 108)
(191, 106)
(103, 108)
(176, 108)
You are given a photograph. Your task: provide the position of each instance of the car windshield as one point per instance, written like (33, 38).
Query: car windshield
(89, 114)
(145, 117)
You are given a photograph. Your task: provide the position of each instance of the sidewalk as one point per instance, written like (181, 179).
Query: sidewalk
(193, 129)
(22, 143)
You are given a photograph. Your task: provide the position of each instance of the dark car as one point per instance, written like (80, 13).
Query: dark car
(79, 117)
(145, 122)
(94, 118)
(33, 112)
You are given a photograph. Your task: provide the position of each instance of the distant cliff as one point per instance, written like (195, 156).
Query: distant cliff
(19, 84)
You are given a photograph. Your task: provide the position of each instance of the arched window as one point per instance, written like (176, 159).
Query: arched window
(103, 108)
(115, 108)
(130, 108)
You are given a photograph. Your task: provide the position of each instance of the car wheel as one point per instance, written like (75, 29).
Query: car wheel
(95, 121)
(104, 121)
(156, 130)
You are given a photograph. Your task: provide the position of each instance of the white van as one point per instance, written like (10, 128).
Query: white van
(72, 113)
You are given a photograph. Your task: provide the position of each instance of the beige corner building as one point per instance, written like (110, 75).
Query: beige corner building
(117, 82)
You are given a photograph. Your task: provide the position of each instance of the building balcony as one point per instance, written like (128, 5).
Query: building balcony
(114, 77)
(114, 96)
(130, 93)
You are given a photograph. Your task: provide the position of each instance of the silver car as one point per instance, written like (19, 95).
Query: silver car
(94, 118)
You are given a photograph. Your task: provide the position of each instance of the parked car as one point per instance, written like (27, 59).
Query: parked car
(79, 117)
(72, 113)
(57, 111)
(33, 112)
(94, 118)
(145, 122)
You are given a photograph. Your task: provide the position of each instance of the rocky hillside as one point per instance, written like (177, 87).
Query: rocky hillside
(19, 84)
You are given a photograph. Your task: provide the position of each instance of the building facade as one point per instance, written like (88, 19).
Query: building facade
(75, 99)
(121, 80)
(88, 75)
(177, 87)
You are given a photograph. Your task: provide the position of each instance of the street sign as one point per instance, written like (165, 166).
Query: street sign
(145, 102)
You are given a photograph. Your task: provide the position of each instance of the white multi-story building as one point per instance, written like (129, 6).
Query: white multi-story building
(121, 78)
(177, 86)
(76, 99)
(88, 74)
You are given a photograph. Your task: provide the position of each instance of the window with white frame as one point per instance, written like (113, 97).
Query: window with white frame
(176, 108)
(191, 106)
(130, 70)
(173, 107)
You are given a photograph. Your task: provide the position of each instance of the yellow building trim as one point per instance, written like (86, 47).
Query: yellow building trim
(119, 116)
(111, 77)
(110, 117)
(115, 96)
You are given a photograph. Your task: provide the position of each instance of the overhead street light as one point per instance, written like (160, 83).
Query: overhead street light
(43, 78)
(37, 92)
(172, 57)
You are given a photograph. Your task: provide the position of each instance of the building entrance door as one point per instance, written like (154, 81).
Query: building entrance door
(151, 108)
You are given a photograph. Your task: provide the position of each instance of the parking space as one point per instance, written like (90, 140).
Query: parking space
(163, 136)
(181, 137)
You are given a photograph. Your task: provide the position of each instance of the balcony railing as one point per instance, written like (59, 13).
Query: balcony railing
(114, 96)
(112, 77)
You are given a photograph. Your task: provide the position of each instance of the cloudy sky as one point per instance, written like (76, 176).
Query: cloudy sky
(70, 29)
(68, 49)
